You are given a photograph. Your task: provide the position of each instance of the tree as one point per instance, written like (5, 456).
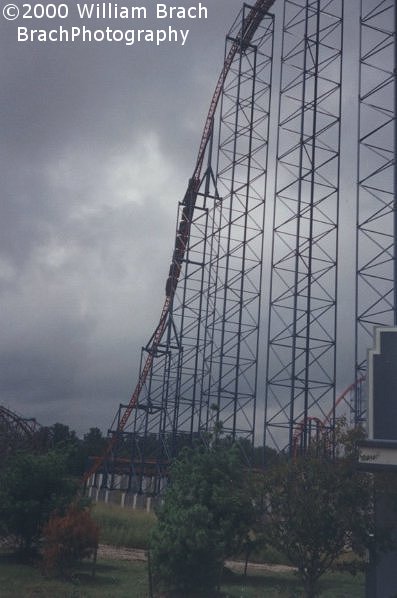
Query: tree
(31, 488)
(94, 443)
(206, 515)
(62, 435)
(318, 508)
(64, 439)
(77, 451)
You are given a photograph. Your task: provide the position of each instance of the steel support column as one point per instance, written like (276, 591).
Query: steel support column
(229, 385)
(302, 314)
(204, 372)
(376, 213)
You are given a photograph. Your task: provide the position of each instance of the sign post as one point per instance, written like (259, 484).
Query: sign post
(379, 453)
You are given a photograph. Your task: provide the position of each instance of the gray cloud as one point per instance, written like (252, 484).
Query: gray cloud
(98, 143)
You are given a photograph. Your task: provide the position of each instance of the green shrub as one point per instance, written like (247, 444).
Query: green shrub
(31, 488)
(205, 517)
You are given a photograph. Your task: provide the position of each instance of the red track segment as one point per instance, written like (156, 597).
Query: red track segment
(248, 29)
(322, 424)
(250, 25)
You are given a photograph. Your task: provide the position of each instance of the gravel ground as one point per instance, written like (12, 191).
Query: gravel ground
(121, 553)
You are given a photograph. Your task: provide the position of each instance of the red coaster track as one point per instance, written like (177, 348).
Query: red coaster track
(250, 25)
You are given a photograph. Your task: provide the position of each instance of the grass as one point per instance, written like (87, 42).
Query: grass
(123, 527)
(285, 585)
(122, 579)
(131, 528)
(125, 579)
(113, 579)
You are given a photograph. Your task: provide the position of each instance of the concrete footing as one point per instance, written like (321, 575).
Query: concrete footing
(124, 499)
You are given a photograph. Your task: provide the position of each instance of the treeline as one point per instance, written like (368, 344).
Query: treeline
(93, 443)
(61, 438)
(317, 510)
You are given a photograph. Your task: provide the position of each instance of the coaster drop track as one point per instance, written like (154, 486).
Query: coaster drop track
(16, 432)
(199, 370)
(243, 42)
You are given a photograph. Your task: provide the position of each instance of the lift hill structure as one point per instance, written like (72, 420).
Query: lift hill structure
(200, 369)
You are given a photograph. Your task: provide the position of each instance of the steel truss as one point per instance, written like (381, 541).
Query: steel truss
(203, 375)
(229, 384)
(317, 433)
(16, 432)
(375, 278)
(199, 370)
(302, 315)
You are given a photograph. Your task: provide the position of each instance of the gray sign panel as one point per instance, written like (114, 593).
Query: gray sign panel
(382, 386)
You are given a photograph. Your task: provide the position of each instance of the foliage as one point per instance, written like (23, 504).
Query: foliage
(205, 517)
(31, 488)
(125, 579)
(61, 435)
(68, 539)
(65, 440)
(123, 526)
(94, 442)
(77, 451)
(318, 508)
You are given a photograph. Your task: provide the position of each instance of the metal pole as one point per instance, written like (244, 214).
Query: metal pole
(395, 168)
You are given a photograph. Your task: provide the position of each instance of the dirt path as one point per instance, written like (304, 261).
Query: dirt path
(120, 553)
(135, 554)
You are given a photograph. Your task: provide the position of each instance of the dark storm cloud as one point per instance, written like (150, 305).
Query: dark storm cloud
(98, 143)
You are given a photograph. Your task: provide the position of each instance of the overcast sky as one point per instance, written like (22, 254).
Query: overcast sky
(98, 143)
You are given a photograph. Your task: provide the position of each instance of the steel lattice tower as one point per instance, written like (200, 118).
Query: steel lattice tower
(200, 369)
(376, 227)
(203, 357)
(302, 314)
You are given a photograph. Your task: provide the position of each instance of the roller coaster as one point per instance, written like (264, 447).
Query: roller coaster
(16, 432)
(274, 131)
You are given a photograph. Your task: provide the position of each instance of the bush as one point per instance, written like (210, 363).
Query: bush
(31, 488)
(68, 539)
(317, 509)
(205, 517)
